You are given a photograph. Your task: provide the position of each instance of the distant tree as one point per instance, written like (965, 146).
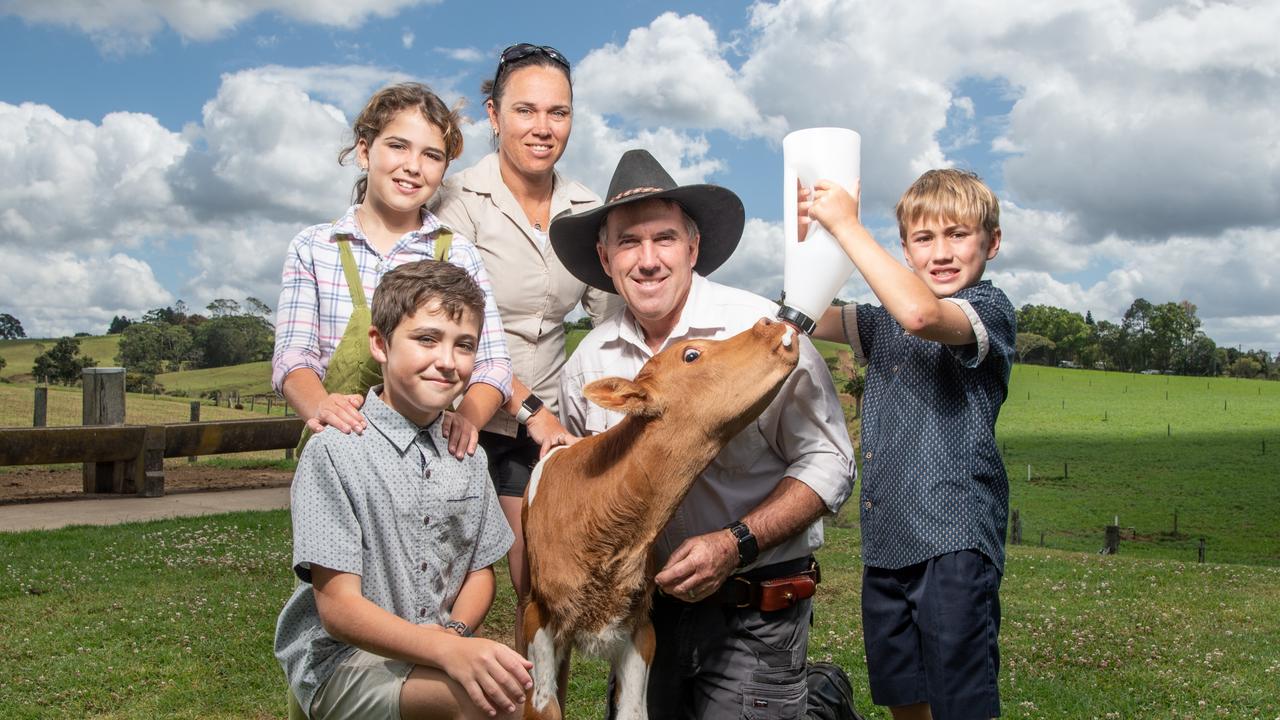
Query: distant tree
(62, 363)
(1198, 357)
(1027, 343)
(148, 348)
(254, 306)
(1088, 318)
(1067, 330)
(1172, 327)
(232, 340)
(851, 378)
(582, 323)
(83, 334)
(1137, 335)
(11, 327)
(118, 324)
(223, 307)
(2, 363)
(1245, 367)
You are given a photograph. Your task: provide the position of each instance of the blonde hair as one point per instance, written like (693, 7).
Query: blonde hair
(383, 107)
(958, 195)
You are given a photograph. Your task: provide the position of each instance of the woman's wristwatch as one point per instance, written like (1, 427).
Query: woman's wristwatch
(531, 405)
(458, 627)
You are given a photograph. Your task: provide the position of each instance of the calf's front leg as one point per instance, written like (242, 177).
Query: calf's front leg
(631, 668)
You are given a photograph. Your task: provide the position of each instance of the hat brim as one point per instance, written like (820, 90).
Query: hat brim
(717, 211)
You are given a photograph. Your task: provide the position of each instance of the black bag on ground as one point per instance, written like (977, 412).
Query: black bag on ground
(830, 693)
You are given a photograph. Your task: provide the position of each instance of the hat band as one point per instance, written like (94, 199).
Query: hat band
(634, 191)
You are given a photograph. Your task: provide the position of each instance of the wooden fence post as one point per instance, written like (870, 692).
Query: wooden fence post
(152, 482)
(195, 417)
(1113, 540)
(1016, 531)
(1200, 553)
(102, 403)
(40, 416)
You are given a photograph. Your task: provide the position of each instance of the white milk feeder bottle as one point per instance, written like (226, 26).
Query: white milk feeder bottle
(816, 269)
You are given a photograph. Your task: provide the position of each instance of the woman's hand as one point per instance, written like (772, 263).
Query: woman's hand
(545, 429)
(461, 434)
(341, 412)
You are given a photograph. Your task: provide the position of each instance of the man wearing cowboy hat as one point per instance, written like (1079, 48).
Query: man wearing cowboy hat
(754, 514)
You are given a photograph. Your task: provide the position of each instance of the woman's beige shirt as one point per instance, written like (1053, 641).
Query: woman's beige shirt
(533, 290)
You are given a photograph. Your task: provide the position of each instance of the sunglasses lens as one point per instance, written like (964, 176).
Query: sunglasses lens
(520, 51)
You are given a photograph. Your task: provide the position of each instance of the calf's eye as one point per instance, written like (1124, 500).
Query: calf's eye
(692, 354)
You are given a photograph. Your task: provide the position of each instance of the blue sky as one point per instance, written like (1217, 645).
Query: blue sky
(152, 152)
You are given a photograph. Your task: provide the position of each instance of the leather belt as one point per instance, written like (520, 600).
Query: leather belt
(773, 587)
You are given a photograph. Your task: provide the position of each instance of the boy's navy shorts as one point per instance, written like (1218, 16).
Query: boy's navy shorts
(931, 632)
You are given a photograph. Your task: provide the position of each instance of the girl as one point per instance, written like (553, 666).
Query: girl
(404, 140)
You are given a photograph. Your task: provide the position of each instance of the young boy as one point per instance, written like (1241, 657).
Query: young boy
(394, 539)
(935, 498)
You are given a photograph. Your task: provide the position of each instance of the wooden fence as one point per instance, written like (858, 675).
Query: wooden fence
(130, 458)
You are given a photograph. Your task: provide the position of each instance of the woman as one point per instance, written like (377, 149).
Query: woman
(403, 142)
(505, 203)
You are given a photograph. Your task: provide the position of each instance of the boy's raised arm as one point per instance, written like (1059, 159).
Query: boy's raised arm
(492, 674)
(902, 294)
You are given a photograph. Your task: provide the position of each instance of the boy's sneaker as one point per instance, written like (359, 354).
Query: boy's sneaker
(830, 693)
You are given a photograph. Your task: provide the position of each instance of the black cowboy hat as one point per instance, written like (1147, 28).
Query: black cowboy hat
(717, 211)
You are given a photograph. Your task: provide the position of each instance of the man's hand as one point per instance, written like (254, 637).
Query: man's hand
(494, 676)
(699, 566)
(461, 434)
(341, 412)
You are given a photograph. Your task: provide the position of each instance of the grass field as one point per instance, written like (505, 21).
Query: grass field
(20, 355)
(248, 379)
(175, 620)
(1106, 445)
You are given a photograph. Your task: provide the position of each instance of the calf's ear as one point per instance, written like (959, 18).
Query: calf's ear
(624, 396)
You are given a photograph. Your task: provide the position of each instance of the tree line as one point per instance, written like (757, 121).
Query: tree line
(1164, 338)
(168, 339)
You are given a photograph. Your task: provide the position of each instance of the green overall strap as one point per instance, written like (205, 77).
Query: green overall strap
(355, 286)
(444, 241)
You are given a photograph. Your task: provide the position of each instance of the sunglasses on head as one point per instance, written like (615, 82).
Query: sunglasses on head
(520, 51)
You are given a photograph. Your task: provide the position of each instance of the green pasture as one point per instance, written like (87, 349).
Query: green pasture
(20, 355)
(175, 619)
(1139, 448)
(247, 379)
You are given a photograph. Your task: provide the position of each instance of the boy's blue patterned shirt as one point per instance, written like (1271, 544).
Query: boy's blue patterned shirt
(933, 480)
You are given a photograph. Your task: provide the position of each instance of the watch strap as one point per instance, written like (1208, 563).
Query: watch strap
(531, 405)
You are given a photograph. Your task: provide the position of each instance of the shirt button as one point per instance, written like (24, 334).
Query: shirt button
(423, 567)
(868, 455)
(422, 612)
(895, 368)
(867, 504)
(427, 473)
(426, 520)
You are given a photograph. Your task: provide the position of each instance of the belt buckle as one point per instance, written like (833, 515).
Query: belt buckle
(747, 584)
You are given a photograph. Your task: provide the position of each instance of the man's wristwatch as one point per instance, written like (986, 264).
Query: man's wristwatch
(458, 627)
(531, 405)
(748, 548)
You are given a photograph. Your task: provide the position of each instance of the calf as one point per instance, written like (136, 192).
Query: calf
(594, 510)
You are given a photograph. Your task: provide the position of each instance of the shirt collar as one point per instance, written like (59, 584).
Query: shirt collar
(485, 178)
(699, 317)
(347, 226)
(396, 428)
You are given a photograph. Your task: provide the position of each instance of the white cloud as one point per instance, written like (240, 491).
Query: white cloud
(464, 54)
(74, 185)
(61, 293)
(1142, 121)
(117, 26)
(671, 74)
(406, 39)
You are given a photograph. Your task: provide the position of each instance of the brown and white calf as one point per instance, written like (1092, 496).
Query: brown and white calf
(594, 509)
